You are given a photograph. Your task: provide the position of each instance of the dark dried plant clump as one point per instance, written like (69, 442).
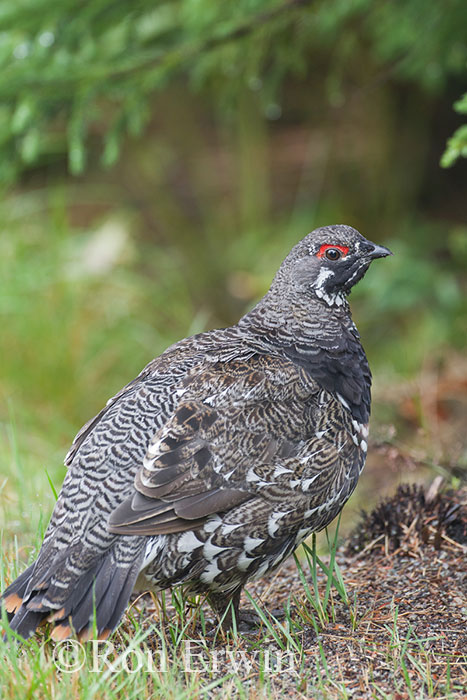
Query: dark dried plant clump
(411, 518)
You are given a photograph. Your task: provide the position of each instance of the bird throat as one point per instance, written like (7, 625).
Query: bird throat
(319, 289)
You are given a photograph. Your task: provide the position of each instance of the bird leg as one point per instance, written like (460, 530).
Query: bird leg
(225, 606)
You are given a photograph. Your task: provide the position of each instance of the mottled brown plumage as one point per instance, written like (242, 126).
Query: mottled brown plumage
(213, 465)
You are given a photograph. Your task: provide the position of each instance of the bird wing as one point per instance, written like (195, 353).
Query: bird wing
(231, 417)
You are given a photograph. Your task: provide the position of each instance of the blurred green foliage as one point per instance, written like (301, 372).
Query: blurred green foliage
(82, 76)
(162, 158)
(457, 144)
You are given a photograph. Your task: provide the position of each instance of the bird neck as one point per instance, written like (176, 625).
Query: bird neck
(322, 340)
(300, 316)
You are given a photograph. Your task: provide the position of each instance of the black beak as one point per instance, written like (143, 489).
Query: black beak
(379, 251)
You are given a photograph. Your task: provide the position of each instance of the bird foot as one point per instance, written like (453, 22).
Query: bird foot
(247, 620)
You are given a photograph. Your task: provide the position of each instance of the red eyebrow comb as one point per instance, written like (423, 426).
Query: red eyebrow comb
(343, 249)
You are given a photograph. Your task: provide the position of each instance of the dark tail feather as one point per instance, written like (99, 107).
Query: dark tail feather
(105, 601)
(121, 595)
(82, 606)
(90, 588)
(13, 595)
(25, 622)
(101, 595)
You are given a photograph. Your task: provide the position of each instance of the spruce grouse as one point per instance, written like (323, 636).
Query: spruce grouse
(219, 459)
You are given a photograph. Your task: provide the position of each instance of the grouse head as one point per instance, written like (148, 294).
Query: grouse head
(328, 262)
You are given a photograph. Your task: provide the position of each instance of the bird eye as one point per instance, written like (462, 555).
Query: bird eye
(333, 254)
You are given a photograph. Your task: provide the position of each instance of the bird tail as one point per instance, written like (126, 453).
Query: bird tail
(76, 604)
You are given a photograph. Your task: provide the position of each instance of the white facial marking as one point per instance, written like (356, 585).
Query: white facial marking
(324, 274)
(336, 299)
